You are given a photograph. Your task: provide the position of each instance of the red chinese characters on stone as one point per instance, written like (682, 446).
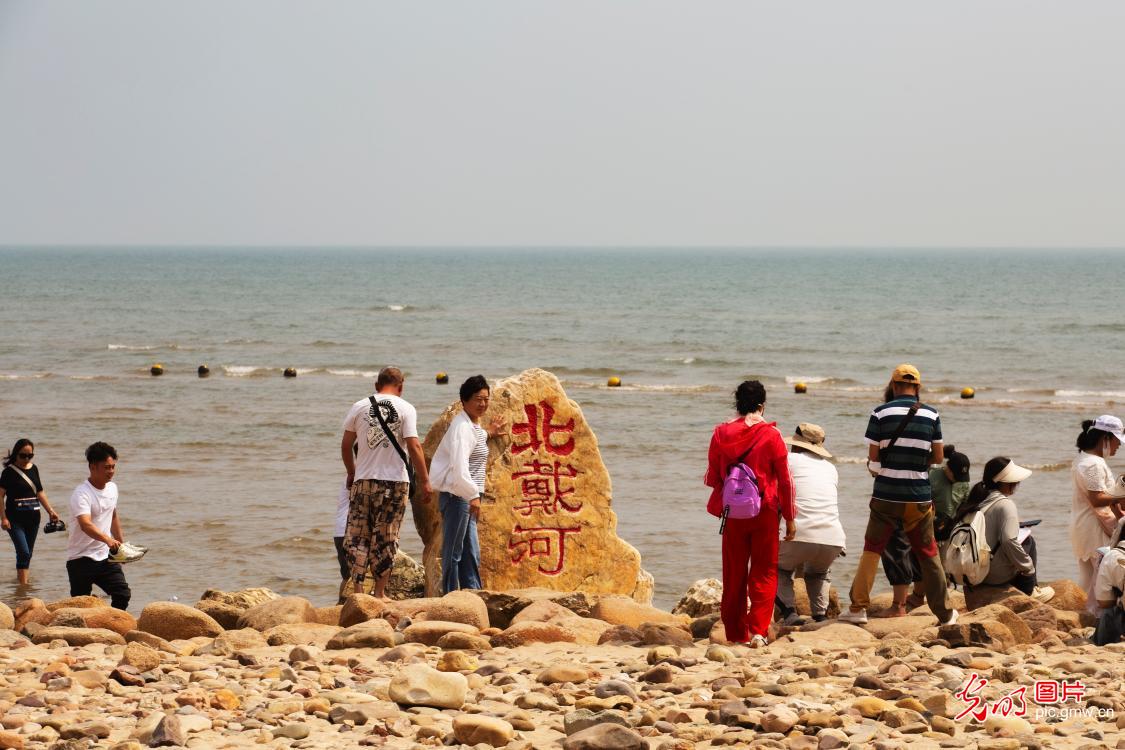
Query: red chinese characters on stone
(540, 431)
(541, 541)
(542, 488)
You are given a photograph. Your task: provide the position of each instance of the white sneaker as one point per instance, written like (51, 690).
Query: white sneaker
(758, 641)
(127, 553)
(855, 617)
(952, 619)
(1043, 593)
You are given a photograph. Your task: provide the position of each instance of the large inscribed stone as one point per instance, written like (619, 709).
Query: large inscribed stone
(545, 518)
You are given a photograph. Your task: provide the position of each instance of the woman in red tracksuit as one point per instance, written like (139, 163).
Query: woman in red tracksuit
(752, 541)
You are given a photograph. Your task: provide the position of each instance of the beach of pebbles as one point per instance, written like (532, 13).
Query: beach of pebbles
(539, 669)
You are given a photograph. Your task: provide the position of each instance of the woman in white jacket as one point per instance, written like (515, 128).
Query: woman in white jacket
(457, 473)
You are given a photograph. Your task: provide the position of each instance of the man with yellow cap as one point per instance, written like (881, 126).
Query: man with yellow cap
(904, 440)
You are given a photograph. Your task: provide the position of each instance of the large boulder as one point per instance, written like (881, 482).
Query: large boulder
(408, 578)
(359, 608)
(7, 617)
(422, 685)
(231, 642)
(430, 632)
(619, 610)
(524, 633)
(244, 599)
(1069, 596)
(171, 621)
(31, 610)
(77, 602)
(301, 634)
(117, 620)
(459, 606)
(547, 518)
(503, 606)
(981, 596)
(704, 597)
(284, 611)
(225, 614)
(78, 636)
(1019, 629)
(370, 634)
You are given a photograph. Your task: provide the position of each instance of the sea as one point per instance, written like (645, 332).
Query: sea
(231, 480)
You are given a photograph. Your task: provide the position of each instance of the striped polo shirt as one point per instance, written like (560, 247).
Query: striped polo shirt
(904, 476)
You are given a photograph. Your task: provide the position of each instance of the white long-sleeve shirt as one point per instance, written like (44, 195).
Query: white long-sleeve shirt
(449, 469)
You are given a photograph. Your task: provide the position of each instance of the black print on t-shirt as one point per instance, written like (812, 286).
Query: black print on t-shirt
(376, 437)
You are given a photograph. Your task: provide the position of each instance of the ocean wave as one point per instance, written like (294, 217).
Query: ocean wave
(643, 387)
(590, 371)
(353, 373)
(247, 341)
(820, 380)
(327, 343)
(164, 472)
(249, 371)
(1095, 394)
(92, 377)
(850, 459)
(25, 376)
(1058, 466)
(149, 347)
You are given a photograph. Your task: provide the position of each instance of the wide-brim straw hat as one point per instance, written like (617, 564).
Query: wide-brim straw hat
(1012, 473)
(810, 437)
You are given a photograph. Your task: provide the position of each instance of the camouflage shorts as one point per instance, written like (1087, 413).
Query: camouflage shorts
(374, 520)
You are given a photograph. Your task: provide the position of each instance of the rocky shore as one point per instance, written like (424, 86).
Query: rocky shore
(540, 669)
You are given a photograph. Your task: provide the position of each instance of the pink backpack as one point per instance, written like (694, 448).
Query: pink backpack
(742, 498)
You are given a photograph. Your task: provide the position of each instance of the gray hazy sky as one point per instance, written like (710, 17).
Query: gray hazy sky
(566, 122)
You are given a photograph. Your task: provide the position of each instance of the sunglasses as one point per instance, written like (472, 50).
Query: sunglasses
(26, 456)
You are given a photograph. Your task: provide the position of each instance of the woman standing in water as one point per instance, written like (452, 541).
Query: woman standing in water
(23, 495)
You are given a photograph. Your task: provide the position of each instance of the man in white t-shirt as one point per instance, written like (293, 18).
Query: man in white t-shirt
(378, 476)
(95, 531)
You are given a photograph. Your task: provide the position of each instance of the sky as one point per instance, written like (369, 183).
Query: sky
(577, 123)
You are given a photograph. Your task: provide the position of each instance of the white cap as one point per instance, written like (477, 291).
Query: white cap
(1112, 425)
(1013, 472)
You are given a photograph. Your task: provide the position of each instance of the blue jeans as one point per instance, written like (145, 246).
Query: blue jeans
(25, 527)
(460, 549)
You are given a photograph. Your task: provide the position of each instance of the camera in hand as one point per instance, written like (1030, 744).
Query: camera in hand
(53, 526)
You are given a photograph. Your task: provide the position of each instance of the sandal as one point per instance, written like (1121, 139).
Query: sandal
(895, 610)
(914, 601)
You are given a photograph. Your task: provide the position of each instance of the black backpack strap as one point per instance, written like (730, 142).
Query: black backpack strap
(391, 436)
(901, 429)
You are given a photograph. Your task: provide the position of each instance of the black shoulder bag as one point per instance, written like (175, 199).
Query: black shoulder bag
(394, 443)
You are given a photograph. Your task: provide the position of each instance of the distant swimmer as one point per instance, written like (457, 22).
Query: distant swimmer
(21, 491)
(385, 427)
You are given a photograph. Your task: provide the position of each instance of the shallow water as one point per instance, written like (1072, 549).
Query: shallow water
(231, 480)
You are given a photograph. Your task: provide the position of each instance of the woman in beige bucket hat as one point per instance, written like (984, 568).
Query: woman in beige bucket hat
(820, 537)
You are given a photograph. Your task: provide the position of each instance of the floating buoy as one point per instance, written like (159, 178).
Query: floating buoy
(441, 378)
(800, 388)
(157, 369)
(614, 382)
(967, 393)
(204, 371)
(290, 372)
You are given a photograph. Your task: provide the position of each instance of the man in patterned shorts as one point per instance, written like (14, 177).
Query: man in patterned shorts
(378, 478)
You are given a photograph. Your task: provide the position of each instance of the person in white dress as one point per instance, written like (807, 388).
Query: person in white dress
(1094, 511)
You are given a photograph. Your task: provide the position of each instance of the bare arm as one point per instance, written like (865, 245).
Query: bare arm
(872, 458)
(418, 461)
(346, 454)
(90, 530)
(4, 522)
(937, 454)
(1100, 499)
(47, 505)
(115, 526)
